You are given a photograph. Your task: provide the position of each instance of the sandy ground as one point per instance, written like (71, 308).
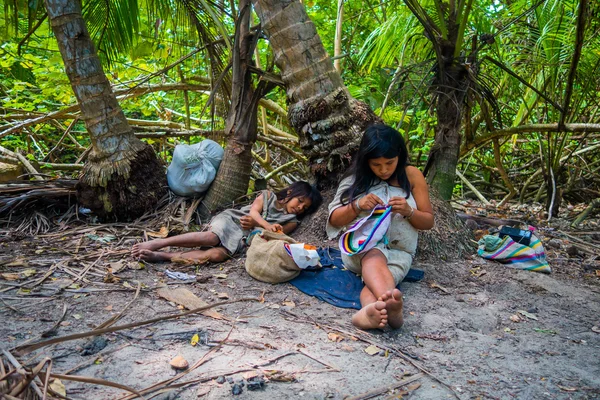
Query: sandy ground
(478, 329)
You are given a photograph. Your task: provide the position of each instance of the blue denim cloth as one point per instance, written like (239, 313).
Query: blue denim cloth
(334, 284)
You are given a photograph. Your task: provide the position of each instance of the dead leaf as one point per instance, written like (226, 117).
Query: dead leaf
(162, 233)
(15, 276)
(137, 265)
(110, 278)
(109, 307)
(59, 387)
(220, 276)
(117, 266)
(187, 299)
(222, 295)
(10, 276)
(372, 350)
(527, 314)
(77, 316)
(65, 323)
(275, 306)
(334, 337)
(515, 318)
(249, 375)
(289, 303)
(17, 262)
(443, 289)
(347, 348)
(195, 339)
(128, 285)
(203, 391)
(280, 376)
(567, 389)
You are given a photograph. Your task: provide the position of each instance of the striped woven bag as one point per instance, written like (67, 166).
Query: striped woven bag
(513, 254)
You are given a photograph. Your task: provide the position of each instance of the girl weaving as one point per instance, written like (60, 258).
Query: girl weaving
(381, 177)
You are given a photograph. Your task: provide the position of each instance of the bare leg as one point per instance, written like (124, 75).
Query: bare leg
(380, 282)
(191, 239)
(215, 255)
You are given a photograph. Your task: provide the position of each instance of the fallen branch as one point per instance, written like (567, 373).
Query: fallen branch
(18, 365)
(385, 389)
(95, 381)
(113, 320)
(475, 191)
(21, 350)
(23, 161)
(584, 214)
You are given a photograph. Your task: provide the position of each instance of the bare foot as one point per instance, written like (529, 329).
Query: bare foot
(393, 305)
(137, 248)
(154, 256)
(371, 316)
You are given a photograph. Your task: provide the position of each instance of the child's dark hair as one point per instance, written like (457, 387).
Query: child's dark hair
(378, 141)
(302, 189)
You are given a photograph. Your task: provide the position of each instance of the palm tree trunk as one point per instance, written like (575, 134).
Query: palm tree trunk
(443, 158)
(241, 126)
(329, 121)
(122, 178)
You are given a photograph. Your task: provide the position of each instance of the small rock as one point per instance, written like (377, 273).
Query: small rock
(236, 389)
(572, 251)
(471, 224)
(554, 243)
(179, 362)
(94, 346)
(256, 383)
(229, 379)
(221, 379)
(202, 278)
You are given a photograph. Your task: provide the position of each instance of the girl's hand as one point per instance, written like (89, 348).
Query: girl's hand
(369, 202)
(248, 222)
(275, 228)
(400, 206)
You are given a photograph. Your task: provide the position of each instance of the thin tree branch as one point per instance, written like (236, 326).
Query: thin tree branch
(523, 81)
(575, 60)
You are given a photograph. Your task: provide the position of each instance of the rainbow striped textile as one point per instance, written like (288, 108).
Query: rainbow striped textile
(366, 232)
(513, 254)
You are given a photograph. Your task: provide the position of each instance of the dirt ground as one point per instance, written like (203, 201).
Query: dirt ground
(475, 329)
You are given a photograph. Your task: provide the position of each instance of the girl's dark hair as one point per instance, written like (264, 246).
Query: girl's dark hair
(302, 189)
(378, 141)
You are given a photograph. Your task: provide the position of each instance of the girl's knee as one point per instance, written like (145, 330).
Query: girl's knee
(374, 256)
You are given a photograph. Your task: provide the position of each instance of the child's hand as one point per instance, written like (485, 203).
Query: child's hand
(369, 202)
(248, 222)
(400, 206)
(275, 228)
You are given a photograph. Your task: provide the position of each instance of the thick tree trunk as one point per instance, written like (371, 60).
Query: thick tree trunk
(450, 88)
(122, 178)
(329, 121)
(233, 176)
(441, 173)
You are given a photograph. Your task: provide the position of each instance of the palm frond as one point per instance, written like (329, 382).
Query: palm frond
(112, 25)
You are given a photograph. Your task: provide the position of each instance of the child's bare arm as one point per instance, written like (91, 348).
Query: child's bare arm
(256, 211)
(289, 227)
